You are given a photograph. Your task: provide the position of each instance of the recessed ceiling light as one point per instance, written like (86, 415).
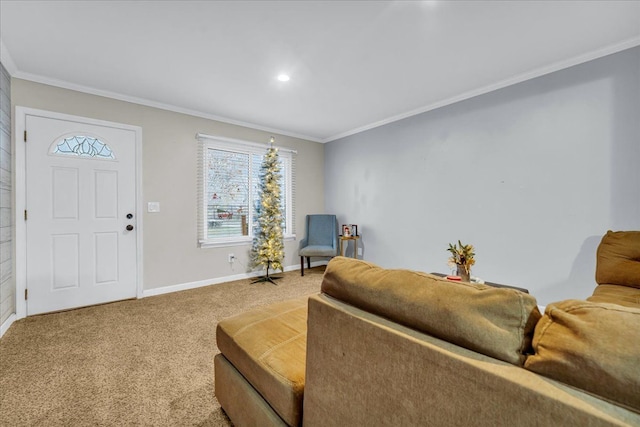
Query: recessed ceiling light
(283, 78)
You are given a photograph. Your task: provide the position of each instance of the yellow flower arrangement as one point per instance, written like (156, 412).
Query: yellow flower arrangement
(462, 255)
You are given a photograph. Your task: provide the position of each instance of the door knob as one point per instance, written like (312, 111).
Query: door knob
(129, 216)
(129, 227)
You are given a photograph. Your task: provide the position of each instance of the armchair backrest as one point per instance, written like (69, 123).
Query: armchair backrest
(322, 230)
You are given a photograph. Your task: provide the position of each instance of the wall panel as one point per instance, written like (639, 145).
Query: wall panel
(7, 282)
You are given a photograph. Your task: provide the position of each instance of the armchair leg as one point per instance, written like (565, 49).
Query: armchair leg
(309, 262)
(302, 266)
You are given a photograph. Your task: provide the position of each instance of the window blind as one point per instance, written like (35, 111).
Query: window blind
(229, 188)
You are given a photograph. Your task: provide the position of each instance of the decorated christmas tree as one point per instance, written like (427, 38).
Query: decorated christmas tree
(268, 245)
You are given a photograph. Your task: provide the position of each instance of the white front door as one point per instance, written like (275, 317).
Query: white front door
(81, 217)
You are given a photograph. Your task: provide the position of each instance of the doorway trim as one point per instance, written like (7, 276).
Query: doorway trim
(20, 166)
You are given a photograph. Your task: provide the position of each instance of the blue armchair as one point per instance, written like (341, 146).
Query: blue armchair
(321, 239)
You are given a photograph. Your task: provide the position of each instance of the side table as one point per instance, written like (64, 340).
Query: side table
(495, 285)
(355, 244)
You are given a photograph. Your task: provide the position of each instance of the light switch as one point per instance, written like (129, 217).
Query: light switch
(153, 207)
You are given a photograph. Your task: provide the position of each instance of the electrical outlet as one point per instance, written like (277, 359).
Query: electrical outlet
(359, 251)
(232, 258)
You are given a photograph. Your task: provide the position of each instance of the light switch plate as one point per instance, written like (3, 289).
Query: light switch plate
(153, 207)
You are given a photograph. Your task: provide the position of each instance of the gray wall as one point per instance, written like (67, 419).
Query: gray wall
(171, 254)
(7, 282)
(533, 175)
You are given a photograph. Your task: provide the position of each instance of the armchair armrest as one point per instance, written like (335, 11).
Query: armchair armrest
(303, 243)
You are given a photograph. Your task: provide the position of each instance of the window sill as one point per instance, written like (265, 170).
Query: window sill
(234, 242)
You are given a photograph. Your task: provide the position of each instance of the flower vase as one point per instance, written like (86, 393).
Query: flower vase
(464, 274)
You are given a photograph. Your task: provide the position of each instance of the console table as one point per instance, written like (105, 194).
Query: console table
(495, 285)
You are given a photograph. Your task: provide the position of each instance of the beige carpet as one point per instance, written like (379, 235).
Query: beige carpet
(145, 362)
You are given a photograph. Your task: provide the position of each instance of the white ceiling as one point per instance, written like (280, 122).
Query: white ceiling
(353, 65)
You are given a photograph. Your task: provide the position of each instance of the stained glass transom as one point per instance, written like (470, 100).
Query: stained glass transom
(84, 146)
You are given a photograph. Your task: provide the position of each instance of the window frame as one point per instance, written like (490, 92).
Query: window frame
(287, 157)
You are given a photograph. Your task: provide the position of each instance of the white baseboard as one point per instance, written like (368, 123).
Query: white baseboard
(181, 287)
(5, 326)
(198, 284)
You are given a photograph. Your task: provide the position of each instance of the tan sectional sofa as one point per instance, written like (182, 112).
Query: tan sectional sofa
(397, 347)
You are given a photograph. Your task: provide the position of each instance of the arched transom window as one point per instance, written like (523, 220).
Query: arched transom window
(83, 146)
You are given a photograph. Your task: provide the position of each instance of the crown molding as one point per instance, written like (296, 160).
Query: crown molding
(148, 103)
(6, 60)
(557, 66)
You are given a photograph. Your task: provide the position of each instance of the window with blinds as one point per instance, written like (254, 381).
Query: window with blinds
(229, 186)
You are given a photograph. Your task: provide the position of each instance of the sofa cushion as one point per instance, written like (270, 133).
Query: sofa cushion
(615, 294)
(592, 346)
(618, 259)
(495, 321)
(268, 347)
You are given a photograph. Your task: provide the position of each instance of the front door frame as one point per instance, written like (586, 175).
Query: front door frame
(21, 196)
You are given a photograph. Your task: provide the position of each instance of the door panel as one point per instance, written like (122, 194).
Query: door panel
(65, 255)
(106, 257)
(80, 183)
(64, 190)
(106, 194)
